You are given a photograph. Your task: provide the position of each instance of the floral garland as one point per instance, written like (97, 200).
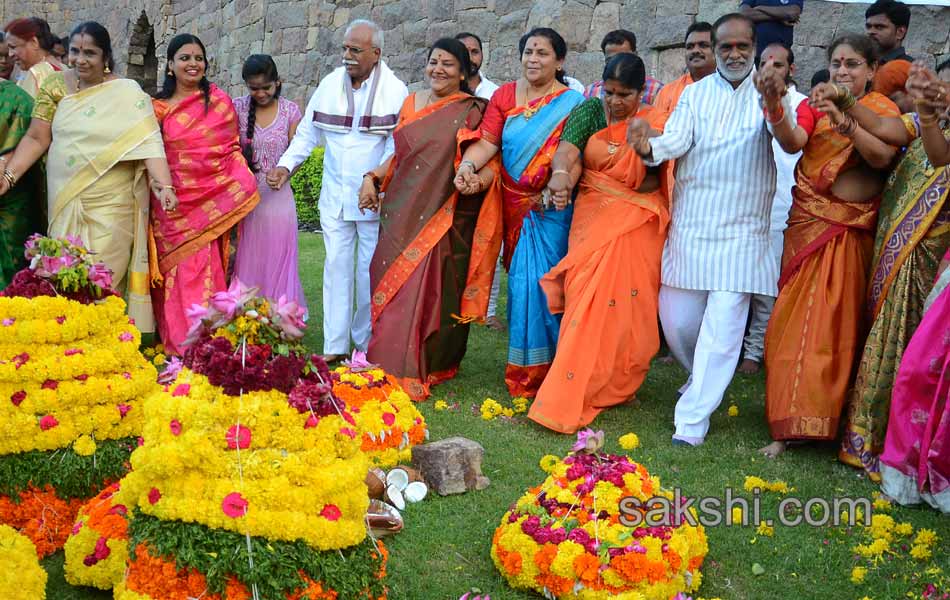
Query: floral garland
(21, 576)
(56, 320)
(98, 546)
(385, 415)
(564, 538)
(301, 477)
(40, 515)
(214, 564)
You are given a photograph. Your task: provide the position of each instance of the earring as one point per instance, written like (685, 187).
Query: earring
(107, 70)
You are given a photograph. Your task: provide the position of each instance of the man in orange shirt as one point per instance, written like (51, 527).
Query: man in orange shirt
(700, 62)
(886, 23)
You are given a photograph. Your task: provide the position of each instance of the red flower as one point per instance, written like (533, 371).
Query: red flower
(331, 512)
(182, 389)
(234, 505)
(119, 509)
(50, 384)
(238, 436)
(127, 375)
(82, 377)
(349, 418)
(175, 426)
(389, 419)
(123, 409)
(60, 320)
(72, 351)
(154, 496)
(21, 359)
(76, 527)
(312, 421)
(18, 397)
(126, 336)
(48, 422)
(102, 550)
(141, 441)
(348, 431)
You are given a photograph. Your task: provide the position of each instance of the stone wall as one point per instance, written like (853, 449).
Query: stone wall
(304, 36)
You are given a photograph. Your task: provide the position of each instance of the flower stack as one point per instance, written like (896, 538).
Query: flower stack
(250, 481)
(72, 381)
(569, 538)
(21, 576)
(98, 548)
(389, 423)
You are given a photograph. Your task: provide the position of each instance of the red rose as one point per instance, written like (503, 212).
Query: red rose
(18, 397)
(154, 496)
(238, 436)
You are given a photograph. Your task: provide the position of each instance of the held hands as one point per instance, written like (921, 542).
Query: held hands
(165, 194)
(369, 196)
(559, 188)
(770, 85)
(638, 136)
(467, 181)
(277, 177)
(926, 89)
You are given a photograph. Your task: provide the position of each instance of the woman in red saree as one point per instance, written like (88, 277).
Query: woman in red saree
(524, 121)
(818, 325)
(215, 191)
(434, 261)
(609, 331)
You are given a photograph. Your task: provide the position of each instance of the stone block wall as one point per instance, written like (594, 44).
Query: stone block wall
(304, 36)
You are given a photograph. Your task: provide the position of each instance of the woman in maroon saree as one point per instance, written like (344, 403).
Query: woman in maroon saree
(433, 266)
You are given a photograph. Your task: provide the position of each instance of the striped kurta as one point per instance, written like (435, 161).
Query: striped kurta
(725, 181)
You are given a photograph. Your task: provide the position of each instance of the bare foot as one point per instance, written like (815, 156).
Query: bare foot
(667, 360)
(495, 323)
(332, 358)
(773, 449)
(749, 367)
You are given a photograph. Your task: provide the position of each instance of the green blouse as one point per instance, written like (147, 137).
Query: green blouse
(585, 120)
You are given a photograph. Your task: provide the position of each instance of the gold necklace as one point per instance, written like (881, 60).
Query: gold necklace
(611, 146)
(530, 111)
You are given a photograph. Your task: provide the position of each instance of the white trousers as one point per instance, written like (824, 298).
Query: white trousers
(350, 246)
(704, 332)
(761, 307)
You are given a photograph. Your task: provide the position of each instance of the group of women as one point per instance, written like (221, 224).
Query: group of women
(856, 332)
(152, 186)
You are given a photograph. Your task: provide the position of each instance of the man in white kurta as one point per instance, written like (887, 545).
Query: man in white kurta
(717, 252)
(352, 114)
(783, 60)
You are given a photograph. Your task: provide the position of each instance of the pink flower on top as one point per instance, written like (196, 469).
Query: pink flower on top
(48, 422)
(234, 505)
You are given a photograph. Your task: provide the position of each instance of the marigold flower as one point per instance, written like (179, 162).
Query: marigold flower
(549, 462)
(629, 441)
(765, 529)
(920, 552)
(733, 410)
(441, 405)
(925, 537)
(857, 574)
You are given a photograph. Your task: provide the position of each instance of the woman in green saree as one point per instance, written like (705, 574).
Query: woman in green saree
(20, 210)
(913, 232)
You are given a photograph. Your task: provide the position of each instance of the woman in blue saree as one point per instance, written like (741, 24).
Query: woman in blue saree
(524, 120)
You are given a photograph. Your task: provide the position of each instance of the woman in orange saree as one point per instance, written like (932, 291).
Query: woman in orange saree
(524, 121)
(215, 191)
(434, 261)
(818, 325)
(609, 331)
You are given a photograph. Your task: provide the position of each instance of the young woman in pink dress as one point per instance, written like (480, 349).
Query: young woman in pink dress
(267, 246)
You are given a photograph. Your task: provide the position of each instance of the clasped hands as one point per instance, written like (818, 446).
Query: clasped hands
(166, 195)
(927, 90)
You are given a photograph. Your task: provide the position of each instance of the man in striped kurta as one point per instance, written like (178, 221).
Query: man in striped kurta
(717, 253)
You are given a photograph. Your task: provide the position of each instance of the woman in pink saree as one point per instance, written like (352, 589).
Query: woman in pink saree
(215, 191)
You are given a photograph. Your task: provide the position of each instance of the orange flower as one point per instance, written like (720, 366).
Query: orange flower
(41, 516)
(545, 557)
(511, 562)
(587, 567)
(558, 586)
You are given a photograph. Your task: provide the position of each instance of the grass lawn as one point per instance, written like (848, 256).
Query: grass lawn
(444, 549)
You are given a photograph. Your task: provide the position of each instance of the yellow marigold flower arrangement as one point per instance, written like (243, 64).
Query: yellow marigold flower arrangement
(570, 537)
(72, 381)
(548, 462)
(752, 482)
(492, 409)
(21, 576)
(629, 441)
(387, 420)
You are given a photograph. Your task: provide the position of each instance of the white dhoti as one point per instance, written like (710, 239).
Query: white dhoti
(350, 246)
(704, 332)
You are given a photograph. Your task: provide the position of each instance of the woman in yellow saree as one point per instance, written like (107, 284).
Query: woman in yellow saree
(102, 136)
(30, 44)
(609, 332)
(818, 325)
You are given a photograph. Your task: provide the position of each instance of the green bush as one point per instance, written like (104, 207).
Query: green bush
(306, 185)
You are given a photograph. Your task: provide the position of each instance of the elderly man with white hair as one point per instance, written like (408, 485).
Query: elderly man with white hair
(352, 114)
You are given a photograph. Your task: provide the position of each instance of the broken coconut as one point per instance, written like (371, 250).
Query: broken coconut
(405, 485)
(415, 492)
(394, 497)
(376, 483)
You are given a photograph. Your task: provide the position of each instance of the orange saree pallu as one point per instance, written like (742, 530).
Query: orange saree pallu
(432, 269)
(215, 191)
(606, 286)
(819, 321)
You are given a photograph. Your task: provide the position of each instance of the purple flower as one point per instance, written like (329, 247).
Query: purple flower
(100, 276)
(588, 441)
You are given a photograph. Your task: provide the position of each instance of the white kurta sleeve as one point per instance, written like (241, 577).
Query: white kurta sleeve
(677, 136)
(307, 138)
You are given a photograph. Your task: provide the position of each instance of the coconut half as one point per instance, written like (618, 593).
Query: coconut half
(376, 483)
(415, 492)
(398, 478)
(394, 496)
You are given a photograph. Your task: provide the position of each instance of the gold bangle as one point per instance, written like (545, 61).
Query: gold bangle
(556, 171)
(928, 120)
